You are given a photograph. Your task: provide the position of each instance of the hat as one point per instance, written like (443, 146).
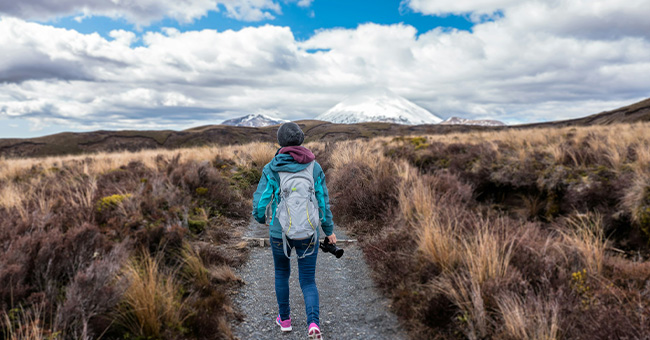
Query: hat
(290, 134)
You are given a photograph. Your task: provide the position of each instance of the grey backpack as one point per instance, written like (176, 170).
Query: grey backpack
(298, 208)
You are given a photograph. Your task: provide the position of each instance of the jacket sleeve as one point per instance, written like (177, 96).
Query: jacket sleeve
(262, 197)
(322, 195)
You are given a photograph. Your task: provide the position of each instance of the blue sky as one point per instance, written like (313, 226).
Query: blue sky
(304, 21)
(84, 65)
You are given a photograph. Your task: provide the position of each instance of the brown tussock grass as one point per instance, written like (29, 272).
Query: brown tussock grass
(636, 195)
(531, 319)
(11, 195)
(100, 162)
(193, 266)
(261, 153)
(22, 324)
(223, 274)
(438, 240)
(354, 152)
(486, 255)
(152, 299)
(465, 293)
(443, 239)
(439, 243)
(585, 235)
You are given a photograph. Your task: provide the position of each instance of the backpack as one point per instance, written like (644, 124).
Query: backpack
(297, 211)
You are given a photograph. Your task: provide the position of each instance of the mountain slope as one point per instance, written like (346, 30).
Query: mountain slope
(637, 112)
(87, 142)
(379, 105)
(254, 120)
(95, 141)
(477, 122)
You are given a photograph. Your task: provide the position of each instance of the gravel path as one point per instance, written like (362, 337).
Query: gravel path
(350, 306)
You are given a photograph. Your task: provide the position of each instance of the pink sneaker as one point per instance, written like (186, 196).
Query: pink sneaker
(314, 332)
(285, 325)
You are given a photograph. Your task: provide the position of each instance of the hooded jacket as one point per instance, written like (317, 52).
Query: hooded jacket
(290, 159)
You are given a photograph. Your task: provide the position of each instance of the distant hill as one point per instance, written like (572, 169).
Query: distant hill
(254, 120)
(88, 142)
(637, 112)
(378, 105)
(465, 121)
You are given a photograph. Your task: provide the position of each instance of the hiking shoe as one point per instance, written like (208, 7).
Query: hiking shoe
(314, 332)
(285, 325)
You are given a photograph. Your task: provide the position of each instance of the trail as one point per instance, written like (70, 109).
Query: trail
(350, 307)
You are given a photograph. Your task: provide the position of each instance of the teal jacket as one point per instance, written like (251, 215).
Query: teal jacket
(268, 190)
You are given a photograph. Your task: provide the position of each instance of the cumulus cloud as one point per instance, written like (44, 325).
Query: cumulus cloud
(445, 7)
(593, 19)
(518, 68)
(143, 12)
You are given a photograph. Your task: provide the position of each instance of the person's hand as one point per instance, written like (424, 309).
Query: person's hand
(332, 238)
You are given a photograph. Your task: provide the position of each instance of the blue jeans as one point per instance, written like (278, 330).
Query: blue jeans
(306, 276)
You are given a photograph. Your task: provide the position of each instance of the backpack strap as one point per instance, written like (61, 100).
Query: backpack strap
(313, 249)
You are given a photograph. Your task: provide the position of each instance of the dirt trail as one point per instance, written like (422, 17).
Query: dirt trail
(350, 306)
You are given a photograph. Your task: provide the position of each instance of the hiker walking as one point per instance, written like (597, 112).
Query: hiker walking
(293, 187)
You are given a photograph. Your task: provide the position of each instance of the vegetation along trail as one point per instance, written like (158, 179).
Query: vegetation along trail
(350, 306)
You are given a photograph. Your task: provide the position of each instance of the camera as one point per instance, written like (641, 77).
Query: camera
(328, 247)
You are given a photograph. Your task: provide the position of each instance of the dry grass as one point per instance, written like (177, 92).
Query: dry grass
(21, 324)
(637, 197)
(465, 293)
(442, 239)
(584, 234)
(261, 153)
(257, 153)
(223, 274)
(353, 152)
(535, 319)
(152, 301)
(610, 143)
(439, 243)
(193, 267)
(485, 254)
(438, 238)
(11, 196)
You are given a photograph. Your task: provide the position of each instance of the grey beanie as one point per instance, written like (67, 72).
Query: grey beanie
(290, 134)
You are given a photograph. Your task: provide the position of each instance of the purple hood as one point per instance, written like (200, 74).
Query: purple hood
(300, 154)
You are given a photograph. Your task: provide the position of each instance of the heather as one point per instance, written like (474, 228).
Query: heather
(514, 234)
(125, 245)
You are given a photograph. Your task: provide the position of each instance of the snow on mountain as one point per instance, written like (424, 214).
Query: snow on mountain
(254, 120)
(465, 121)
(378, 105)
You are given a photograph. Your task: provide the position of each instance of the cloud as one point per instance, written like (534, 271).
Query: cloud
(593, 19)
(445, 7)
(142, 12)
(534, 66)
(304, 3)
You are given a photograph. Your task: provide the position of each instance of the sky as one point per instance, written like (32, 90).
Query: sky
(83, 65)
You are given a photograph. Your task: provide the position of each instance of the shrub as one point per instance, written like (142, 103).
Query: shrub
(111, 202)
(92, 295)
(220, 197)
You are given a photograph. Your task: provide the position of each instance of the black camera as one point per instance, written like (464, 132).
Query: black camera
(328, 247)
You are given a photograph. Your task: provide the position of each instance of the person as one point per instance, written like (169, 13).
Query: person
(292, 157)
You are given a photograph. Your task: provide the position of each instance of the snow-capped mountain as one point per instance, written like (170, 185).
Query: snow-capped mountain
(465, 121)
(254, 120)
(378, 105)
